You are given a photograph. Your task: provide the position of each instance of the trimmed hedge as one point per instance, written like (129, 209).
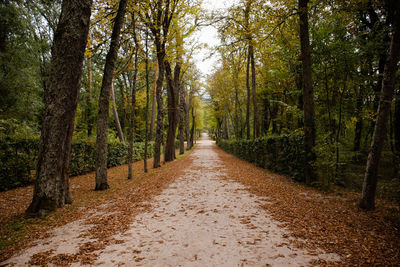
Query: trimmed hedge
(18, 159)
(282, 154)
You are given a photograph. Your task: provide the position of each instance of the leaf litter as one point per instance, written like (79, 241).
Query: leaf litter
(330, 221)
(315, 224)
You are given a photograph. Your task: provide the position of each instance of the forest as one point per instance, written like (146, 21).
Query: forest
(308, 89)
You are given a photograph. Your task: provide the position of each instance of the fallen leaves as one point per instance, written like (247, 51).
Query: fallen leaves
(112, 211)
(320, 220)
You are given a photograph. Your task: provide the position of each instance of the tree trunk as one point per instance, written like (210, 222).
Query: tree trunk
(181, 121)
(123, 113)
(160, 112)
(133, 103)
(153, 108)
(116, 117)
(187, 119)
(192, 131)
(308, 92)
(102, 117)
(173, 85)
(89, 98)
(146, 134)
(396, 125)
(371, 173)
(256, 125)
(51, 189)
(236, 122)
(248, 96)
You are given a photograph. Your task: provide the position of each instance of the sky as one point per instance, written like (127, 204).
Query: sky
(209, 35)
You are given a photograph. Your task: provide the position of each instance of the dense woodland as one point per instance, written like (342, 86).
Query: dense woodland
(82, 75)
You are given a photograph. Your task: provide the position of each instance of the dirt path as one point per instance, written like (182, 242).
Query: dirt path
(202, 219)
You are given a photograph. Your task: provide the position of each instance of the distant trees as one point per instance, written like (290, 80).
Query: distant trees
(332, 99)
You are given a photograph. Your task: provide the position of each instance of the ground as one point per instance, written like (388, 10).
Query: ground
(207, 208)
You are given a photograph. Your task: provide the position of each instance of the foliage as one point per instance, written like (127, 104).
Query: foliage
(18, 159)
(283, 154)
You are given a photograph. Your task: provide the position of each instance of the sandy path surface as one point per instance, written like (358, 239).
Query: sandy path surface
(200, 220)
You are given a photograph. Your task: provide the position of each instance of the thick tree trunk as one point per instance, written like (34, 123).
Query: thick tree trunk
(173, 85)
(51, 188)
(153, 108)
(181, 120)
(116, 117)
(371, 173)
(102, 117)
(308, 92)
(160, 112)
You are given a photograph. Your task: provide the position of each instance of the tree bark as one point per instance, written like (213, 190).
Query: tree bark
(187, 117)
(367, 201)
(396, 125)
(181, 120)
(256, 123)
(173, 85)
(89, 98)
(51, 189)
(153, 108)
(133, 103)
(116, 117)
(248, 96)
(160, 111)
(192, 131)
(102, 117)
(146, 134)
(308, 93)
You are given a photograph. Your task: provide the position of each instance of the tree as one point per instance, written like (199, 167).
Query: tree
(371, 173)
(146, 132)
(51, 190)
(102, 117)
(308, 92)
(173, 87)
(158, 16)
(133, 101)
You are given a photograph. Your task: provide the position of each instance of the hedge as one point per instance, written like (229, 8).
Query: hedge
(282, 154)
(18, 159)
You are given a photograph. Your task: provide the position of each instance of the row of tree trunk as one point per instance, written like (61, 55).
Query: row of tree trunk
(51, 190)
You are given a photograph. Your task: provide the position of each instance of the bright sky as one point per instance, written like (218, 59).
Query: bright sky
(209, 36)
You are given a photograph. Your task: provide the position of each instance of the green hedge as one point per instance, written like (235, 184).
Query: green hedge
(283, 154)
(18, 159)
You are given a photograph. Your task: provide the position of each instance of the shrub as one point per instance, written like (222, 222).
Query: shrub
(18, 159)
(283, 154)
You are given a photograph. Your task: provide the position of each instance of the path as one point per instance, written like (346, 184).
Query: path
(200, 220)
